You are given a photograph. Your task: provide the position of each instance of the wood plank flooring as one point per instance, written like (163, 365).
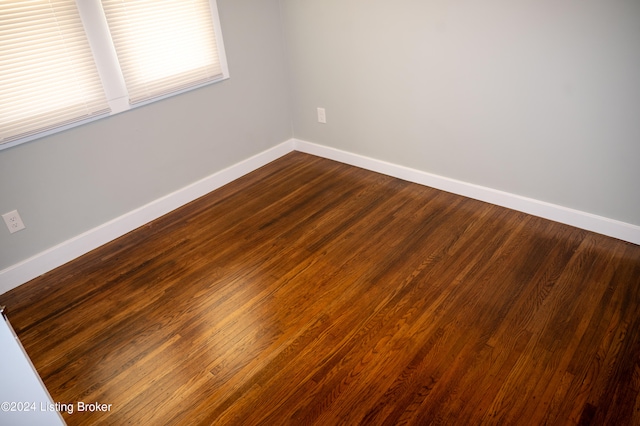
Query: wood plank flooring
(312, 292)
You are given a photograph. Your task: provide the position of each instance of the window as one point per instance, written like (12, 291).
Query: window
(48, 74)
(65, 62)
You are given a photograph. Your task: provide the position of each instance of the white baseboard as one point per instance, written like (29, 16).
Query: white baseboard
(47, 260)
(601, 225)
(37, 265)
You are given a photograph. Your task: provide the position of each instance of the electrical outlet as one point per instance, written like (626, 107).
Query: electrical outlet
(13, 221)
(322, 116)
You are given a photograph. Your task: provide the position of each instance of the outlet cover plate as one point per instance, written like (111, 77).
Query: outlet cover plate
(13, 221)
(322, 116)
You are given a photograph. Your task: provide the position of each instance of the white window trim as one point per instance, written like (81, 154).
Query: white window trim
(104, 53)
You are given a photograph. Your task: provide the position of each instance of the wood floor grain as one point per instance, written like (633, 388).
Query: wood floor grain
(312, 292)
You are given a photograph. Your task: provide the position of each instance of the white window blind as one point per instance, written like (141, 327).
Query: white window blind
(163, 46)
(48, 75)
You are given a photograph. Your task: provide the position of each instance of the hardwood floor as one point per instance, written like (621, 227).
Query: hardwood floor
(312, 292)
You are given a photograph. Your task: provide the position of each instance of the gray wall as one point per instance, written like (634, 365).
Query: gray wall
(66, 184)
(537, 98)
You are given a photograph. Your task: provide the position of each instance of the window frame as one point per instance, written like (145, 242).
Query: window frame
(106, 60)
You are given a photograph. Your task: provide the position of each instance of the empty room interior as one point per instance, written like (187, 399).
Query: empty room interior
(407, 212)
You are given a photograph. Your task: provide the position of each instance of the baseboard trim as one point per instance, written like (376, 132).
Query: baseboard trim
(50, 259)
(601, 225)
